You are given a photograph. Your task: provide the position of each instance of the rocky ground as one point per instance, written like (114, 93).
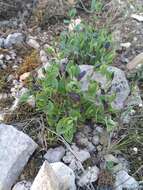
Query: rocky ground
(31, 155)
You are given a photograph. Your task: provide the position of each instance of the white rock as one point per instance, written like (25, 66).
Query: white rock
(123, 180)
(15, 150)
(13, 39)
(55, 154)
(7, 57)
(24, 76)
(46, 179)
(89, 176)
(22, 185)
(126, 45)
(137, 17)
(65, 175)
(33, 43)
(43, 56)
(1, 56)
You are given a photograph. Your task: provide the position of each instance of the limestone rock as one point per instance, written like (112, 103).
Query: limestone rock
(119, 87)
(137, 17)
(33, 43)
(136, 62)
(65, 175)
(15, 150)
(125, 181)
(89, 176)
(46, 179)
(82, 155)
(89, 72)
(13, 39)
(22, 185)
(55, 154)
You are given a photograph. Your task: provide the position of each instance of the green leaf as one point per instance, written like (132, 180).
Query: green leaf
(65, 127)
(24, 97)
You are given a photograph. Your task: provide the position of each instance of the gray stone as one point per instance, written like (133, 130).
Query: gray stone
(81, 156)
(55, 154)
(46, 179)
(13, 39)
(119, 87)
(111, 158)
(81, 139)
(89, 176)
(125, 181)
(33, 43)
(22, 185)
(43, 56)
(15, 150)
(95, 139)
(65, 175)
(1, 42)
(136, 62)
(135, 98)
(99, 129)
(90, 73)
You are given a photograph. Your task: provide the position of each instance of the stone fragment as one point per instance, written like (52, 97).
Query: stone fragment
(125, 181)
(82, 154)
(111, 158)
(55, 154)
(24, 76)
(43, 56)
(33, 43)
(13, 39)
(137, 17)
(90, 73)
(46, 179)
(95, 139)
(65, 175)
(119, 87)
(15, 150)
(89, 176)
(125, 45)
(22, 185)
(136, 62)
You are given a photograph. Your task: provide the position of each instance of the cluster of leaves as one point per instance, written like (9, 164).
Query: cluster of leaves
(85, 45)
(60, 98)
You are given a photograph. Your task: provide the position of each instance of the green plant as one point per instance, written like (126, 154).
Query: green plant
(96, 5)
(60, 98)
(85, 45)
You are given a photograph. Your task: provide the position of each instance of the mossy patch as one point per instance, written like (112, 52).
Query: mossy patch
(30, 62)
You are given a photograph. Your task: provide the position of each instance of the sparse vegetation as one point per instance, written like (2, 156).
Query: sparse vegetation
(60, 98)
(86, 45)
